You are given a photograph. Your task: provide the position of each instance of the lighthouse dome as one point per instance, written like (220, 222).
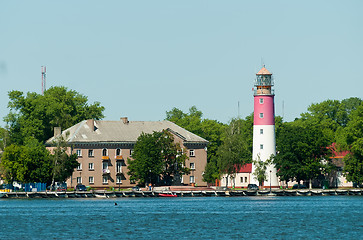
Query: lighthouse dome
(263, 71)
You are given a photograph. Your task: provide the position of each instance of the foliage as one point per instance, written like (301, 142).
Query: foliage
(63, 163)
(28, 163)
(260, 169)
(300, 149)
(234, 151)
(35, 115)
(156, 159)
(4, 138)
(353, 163)
(211, 130)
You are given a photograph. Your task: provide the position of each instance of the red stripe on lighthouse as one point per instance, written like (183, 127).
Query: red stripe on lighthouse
(264, 113)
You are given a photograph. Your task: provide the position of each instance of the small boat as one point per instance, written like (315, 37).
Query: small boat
(167, 195)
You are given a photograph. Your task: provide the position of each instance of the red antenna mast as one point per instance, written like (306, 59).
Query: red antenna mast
(43, 79)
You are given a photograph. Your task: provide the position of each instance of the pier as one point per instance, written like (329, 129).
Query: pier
(181, 193)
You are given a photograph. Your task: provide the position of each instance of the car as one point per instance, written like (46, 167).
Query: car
(252, 186)
(299, 186)
(80, 187)
(136, 188)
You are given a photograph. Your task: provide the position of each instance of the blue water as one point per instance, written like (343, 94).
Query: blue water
(330, 217)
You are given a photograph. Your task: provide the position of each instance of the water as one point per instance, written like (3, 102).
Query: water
(330, 217)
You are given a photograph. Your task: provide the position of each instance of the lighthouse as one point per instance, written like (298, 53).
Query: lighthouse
(264, 142)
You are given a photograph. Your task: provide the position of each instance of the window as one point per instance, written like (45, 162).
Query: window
(241, 179)
(79, 180)
(261, 115)
(131, 152)
(191, 153)
(104, 152)
(118, 152)
(91, 166)
(191, 179)
(91, 180)
(105, 179)
(261, 131)
(79, 167)
(118, 179)
(261, 100)
(245, 179)
(90, 153)
(104, 165)
(118, 167)
(261, 146)
(79, 152)
(192, 166)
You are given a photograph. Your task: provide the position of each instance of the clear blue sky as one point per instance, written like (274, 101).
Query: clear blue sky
(142, 58)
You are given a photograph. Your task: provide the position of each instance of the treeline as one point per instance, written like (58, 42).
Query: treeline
(304, 146)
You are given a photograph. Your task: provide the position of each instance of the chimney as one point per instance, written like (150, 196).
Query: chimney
(91, 124)
(57, 131)
(124, 120)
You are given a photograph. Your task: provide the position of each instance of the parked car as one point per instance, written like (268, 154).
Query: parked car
(252, 187)
(80, 187)
(299, 186)
(136, 188)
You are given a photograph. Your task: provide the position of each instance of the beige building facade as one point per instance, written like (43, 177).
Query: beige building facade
(103, 148)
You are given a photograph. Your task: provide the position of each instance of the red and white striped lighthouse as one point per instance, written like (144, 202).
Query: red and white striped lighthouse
(264, 142)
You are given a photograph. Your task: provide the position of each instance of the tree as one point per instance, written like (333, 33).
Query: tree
(353, 162)
(35, 115)
(300, 150)
(63, 163)
(234, 151)
(211, 130)
(260, 169)
(28, 163)
(156, 159)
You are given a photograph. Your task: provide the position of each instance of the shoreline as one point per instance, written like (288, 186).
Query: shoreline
(182, 193)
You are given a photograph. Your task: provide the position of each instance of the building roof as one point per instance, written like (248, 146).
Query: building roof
(263, 71)
(121, 131)
(247, 168)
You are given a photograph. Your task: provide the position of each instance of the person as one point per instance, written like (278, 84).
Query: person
(149, 186)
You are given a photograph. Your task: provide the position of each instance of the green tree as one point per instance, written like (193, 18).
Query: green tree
(211, 130)
(63, 163)
(28, 163)
(35, 115)
(260, 169)
(300, 150)
(234, 151)
(156, 159)
(353, 162)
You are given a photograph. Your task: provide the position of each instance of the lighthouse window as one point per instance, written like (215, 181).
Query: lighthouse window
(261, 131)
(261, 100)
(261, 115)
(261, 146)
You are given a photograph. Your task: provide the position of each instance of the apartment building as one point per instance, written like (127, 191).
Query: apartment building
(103, 148)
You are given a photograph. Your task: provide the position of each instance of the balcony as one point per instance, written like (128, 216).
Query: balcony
(119, 157)
(105, 158)
(106, 171)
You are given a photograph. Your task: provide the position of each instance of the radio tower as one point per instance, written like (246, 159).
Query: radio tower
(43, 79)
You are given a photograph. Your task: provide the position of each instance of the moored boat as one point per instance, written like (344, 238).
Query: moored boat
(167, 195)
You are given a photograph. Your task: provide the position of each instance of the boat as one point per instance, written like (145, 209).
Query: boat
(167, 195)
(3, 194)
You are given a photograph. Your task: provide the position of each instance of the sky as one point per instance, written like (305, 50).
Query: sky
(140, 59)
